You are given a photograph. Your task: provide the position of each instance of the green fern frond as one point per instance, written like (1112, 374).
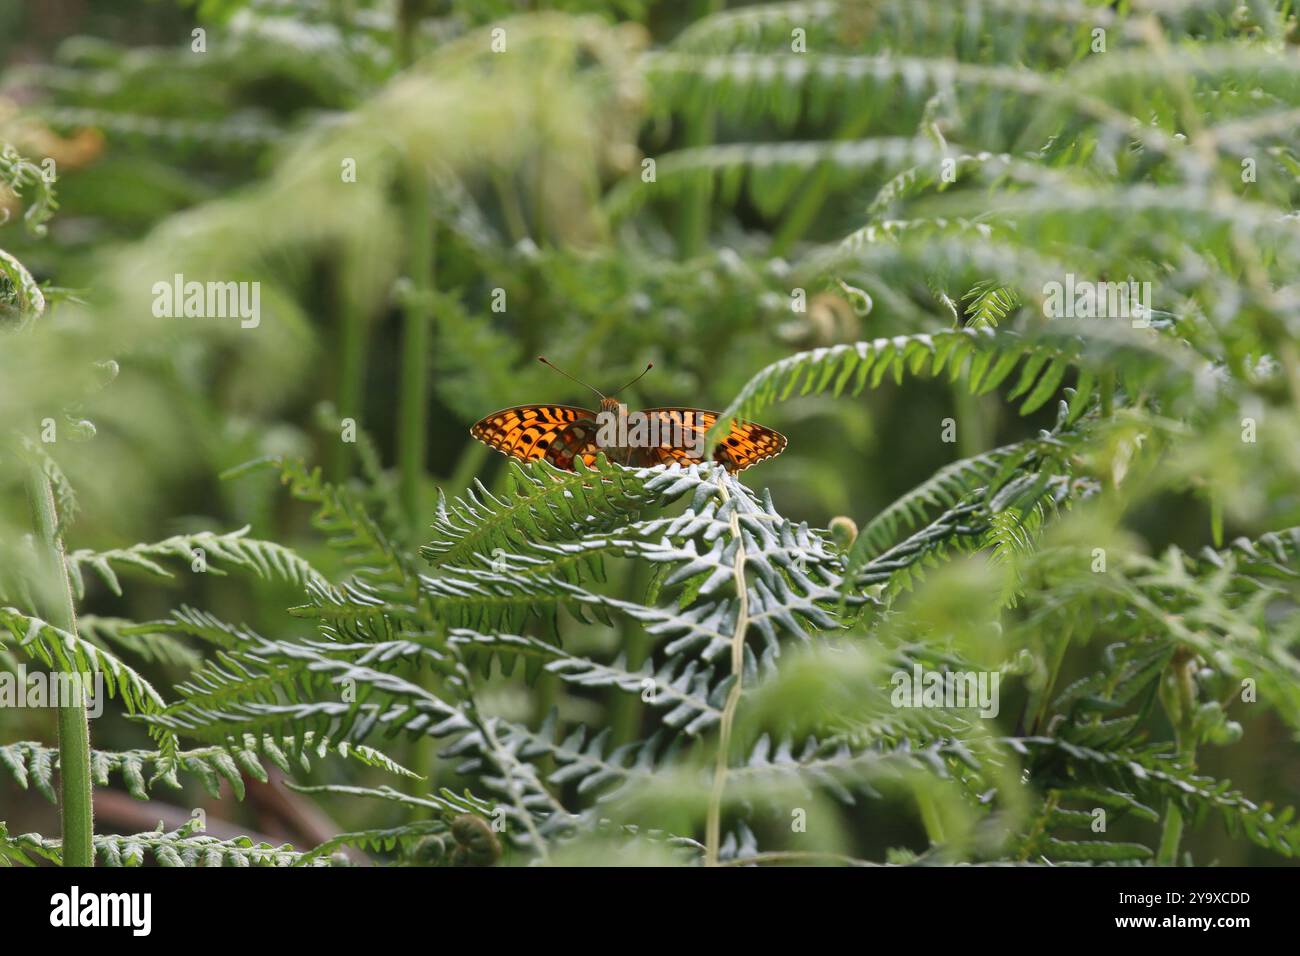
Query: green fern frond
(26, 300)
(540, 504)
(182, 847)
(837, 24)
(693, 700)
(838, 768)
(344, 521)
(240, 694)
(150, 646)
(915, 180)
(773, 172)
(245, 133)
(1012, 533)
(195, 623)
(1176, 601)
(1111, 799)
(1158, 776)
(445, 803)
(943, 489)
(22, 176)
(33, 764)
(583, 760)
(1054, 850)
(987, 358)
(266, 559)
(990, 304)
(1274, 554)
(70, 654)
(772, 85)
(452, 827)
(958, 530)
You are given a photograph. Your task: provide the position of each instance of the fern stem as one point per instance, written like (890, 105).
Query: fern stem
(413, 397)
(1038, 703)
(693, 217)
(713, 823)
(408, 18)
(1180, 704)
(931, 819)
(74, 727)
(626, 710)
(507, 762)
(1170, 834)
(351, 371)
(973, 430)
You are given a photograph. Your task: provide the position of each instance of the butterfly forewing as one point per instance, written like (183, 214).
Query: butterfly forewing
(529, 432)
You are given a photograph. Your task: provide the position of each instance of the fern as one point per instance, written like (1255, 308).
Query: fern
(984, 359)
(132, 637)
(266, 559)
(539, 503)
(1150, 774)
(693, 699)
(990, 304)
(460, 831)
(173, 848)
(31, 764)
(71, 654)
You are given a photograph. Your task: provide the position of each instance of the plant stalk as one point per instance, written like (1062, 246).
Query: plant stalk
(713, 821)
(413, 394)
(693, 217)
(75, 793)
(353, 346)
(1108, 394)
(1181, 706)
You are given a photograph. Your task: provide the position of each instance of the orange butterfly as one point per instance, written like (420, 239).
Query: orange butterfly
(656, 436)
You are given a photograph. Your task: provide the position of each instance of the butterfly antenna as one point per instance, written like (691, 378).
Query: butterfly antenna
(543, 359)
(648, 367)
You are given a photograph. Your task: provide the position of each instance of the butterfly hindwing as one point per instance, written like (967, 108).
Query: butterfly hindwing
(748, 443)
(744, 445)
(529, 432)
(576, 441)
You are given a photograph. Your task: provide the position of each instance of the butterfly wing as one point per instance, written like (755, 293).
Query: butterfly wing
(745, 444)
(558, 433)
(576, 441)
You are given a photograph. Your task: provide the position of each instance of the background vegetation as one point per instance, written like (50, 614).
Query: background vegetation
(847, 199)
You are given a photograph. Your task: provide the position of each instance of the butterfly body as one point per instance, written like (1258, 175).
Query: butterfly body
(563, 434)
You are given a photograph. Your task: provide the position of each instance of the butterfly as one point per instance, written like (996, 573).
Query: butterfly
(562, 434)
